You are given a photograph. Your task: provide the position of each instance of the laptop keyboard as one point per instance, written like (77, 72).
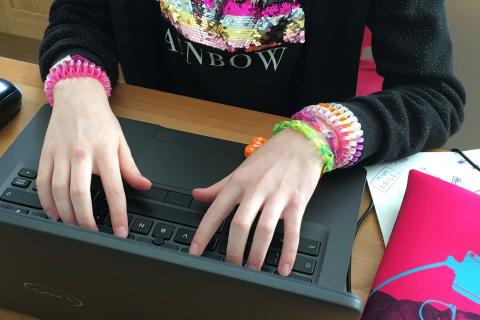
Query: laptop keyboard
(165, 219)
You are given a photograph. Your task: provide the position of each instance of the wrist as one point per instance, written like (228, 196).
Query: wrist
(322, 147)
(80, 94)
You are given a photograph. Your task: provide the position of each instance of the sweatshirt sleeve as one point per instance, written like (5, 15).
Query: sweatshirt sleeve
(422, 103)
(80, 27)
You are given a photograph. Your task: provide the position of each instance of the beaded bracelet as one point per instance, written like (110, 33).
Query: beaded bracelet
(257, 142)
(311, 134)
(78, 68)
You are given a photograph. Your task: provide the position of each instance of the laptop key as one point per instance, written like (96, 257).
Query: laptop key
(105, 229)
(178, 199)
(223, 247)
(34, 185)
(100, 215)
(163, 231)
(184, 236)
(141, 225)
(155, 194)
(21, 197)
(277, 241)
(266, 269)
(309, 247)
(28, 173)
(163, 212)
(222, 226)
(199, 206)
(304, 265)
(212, 245)
(273, 256)
(21, 182)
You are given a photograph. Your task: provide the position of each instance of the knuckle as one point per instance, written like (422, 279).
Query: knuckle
(79, 153)
(269, 179)
(240, 224)
(284, 185)
(106, 153)
(292, 235)
(59, 187)
(78, 192)
(297, 201)
(116, 192)
(266, 228)
(239, 176)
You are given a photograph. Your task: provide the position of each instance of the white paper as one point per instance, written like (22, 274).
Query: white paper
(388, 182)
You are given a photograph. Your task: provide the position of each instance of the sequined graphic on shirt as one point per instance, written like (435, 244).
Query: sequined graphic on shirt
(233, 25)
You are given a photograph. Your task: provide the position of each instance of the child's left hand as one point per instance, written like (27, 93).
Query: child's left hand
(277, 182)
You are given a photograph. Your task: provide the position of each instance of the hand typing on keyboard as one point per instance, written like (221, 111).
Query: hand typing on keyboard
(84, 137)
(278, 180)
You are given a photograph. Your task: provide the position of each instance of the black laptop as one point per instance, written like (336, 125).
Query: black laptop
(55, 271)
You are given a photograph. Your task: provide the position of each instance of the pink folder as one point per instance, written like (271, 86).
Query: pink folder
(431, 266)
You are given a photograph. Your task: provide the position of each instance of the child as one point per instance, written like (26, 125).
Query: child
(274, 56)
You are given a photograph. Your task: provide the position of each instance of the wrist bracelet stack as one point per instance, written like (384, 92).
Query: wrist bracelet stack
(347, 129)
(75, 68)
(335, 122)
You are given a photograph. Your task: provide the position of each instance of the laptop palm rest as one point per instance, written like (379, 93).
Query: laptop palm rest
(170, 163)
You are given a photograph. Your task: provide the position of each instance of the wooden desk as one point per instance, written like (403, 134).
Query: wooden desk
(191, 115)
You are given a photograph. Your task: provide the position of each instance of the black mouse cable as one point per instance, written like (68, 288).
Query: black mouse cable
(359, 224)
(464, 156)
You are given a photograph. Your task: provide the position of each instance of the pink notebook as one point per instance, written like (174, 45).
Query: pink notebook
(431, 266)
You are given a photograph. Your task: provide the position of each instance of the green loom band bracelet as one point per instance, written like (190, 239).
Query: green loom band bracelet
(311, 134)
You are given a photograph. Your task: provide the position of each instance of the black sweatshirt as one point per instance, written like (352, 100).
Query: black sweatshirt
(278, 56)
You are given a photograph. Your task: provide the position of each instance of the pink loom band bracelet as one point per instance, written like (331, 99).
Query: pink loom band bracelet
(347, 128)
(80, 68)
(342, 132)
(320, 126)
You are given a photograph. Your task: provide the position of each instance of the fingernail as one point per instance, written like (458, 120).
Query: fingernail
(121, 232)
(194, 249)
(285, 269)
(49, 215)
(251, 266)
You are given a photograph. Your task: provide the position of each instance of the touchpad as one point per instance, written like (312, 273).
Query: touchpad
(185, 166)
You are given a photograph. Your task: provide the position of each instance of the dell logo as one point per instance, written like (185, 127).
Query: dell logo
(53, 294)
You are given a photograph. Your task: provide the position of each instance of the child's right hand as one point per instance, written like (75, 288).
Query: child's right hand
(84, 137)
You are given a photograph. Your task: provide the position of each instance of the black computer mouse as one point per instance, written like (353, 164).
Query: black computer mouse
(10, 101)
